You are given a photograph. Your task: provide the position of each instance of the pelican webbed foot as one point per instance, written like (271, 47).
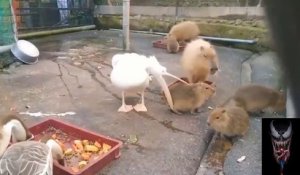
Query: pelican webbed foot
(125, 108)
(140, 108)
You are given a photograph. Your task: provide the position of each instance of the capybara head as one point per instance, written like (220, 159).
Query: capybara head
(210, 55)
(218, 118)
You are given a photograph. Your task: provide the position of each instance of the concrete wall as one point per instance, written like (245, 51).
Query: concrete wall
(182, 11)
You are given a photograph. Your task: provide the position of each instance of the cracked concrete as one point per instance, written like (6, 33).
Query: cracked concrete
(73, 75)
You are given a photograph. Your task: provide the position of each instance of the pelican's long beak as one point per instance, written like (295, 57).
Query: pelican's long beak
(165, 88)
(177, 78)
(56, 149)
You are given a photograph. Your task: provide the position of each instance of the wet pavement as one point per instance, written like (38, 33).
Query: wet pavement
(73, 75)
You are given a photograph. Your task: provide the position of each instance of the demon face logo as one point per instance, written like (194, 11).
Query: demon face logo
(281, 136)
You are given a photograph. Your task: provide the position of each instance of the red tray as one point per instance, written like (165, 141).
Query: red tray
(161, 44)
(79, 133)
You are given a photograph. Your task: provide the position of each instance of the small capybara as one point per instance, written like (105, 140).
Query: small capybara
(256, 98)
(188, 98)
(185, 31)
(229, 121)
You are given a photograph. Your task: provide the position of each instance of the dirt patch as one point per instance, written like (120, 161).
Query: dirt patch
(219, 149)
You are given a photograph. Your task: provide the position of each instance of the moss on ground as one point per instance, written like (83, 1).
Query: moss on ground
(184, 3)
(208, 27)
(6, 59)
(238, 32)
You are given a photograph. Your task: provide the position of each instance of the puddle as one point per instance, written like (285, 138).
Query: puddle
(218, 152)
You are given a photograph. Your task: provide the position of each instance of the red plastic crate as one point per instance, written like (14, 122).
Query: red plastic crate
(79, 133)
(161, 44)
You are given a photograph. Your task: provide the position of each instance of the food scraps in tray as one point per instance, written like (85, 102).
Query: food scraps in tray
(77, 153)
(83, 152)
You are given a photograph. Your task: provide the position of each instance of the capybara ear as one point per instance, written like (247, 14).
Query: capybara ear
(201, 48)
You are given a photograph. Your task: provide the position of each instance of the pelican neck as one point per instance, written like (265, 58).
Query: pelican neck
(54, 148)
(6, 136)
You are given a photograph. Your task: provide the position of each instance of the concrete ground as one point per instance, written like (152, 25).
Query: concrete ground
(73, 75)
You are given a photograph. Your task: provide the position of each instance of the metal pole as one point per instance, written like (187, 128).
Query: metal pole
(14, 21)
(176, 10)
(126, 9)
(5, 48)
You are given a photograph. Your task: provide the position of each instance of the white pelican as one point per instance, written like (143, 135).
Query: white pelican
(30, 158)
(11, 127)
(131, 73)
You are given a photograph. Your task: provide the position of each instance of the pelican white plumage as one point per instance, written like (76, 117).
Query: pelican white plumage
(11, 127)
(131, 73)
(30, 157)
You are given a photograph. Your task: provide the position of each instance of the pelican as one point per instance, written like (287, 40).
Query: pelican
(30, 157)
(11, 127)
(131, 73)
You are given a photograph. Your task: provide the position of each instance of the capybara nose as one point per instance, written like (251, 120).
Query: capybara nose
(208, 124)
(213, 70)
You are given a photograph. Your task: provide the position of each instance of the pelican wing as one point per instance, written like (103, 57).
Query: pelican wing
(128, 57)
(129, 71)
(29, 157)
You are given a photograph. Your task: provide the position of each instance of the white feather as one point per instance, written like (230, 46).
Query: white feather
(129, 71)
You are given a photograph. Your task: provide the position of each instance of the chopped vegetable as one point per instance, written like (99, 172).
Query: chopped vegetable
(78, 144)
(76, 149)
(85, 142)
(97, 144)
(81, 164)
(54, 136)
(101, 152)
(77, 153)
(91, 148)
(106, 148)
(69, 151)
(85, 156)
